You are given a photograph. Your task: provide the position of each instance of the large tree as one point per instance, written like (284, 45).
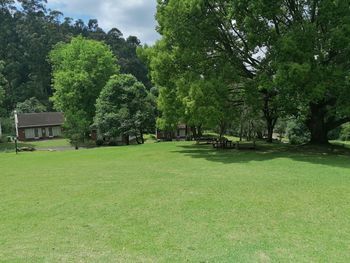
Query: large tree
(124, 108)
(81, 69)
(294, 53)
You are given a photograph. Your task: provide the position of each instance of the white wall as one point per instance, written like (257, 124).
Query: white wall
(57, 131)
(30, 132)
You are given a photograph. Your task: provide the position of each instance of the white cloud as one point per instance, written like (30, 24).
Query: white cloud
(132, 17)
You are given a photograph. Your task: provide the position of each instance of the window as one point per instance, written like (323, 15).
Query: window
(50, 132)
(36, 133)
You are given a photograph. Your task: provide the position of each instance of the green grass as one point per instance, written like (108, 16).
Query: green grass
(175, 202)
(50, 143)
(342, 143)
(46, 144)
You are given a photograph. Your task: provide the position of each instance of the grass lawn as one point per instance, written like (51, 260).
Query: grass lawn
(175, 202)
(342, 143)
(50, 143)
(46, 144)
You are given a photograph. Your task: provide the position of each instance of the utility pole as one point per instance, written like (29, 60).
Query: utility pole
(16, 125)
(16, 145)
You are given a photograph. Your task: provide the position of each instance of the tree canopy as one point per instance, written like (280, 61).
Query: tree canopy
(29, 31)
(124, 108)
(293, 55)
(81, 69)
(32, 105)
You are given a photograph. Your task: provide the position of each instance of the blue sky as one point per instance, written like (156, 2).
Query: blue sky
(132, 17)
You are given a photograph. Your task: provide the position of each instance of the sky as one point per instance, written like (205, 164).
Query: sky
(132, 17)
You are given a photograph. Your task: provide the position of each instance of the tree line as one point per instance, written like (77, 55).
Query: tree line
(29, 31)
(234, 63)
(50, 62)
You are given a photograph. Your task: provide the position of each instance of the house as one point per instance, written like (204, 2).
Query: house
(182, 132)
(36, 126)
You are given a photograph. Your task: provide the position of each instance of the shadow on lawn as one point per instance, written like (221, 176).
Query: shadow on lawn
(328, 155)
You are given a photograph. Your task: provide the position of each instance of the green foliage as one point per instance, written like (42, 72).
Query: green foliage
(76, 127)
(162, 65)
(80, 70)
(3, 87)
(197, 99)
(297, 132)
(29, 31)
(293, 56)
(124, 107)
(345, 132)
(7, 125)
(32, 105)
(281, 127)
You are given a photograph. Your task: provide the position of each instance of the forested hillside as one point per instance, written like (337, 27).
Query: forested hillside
(29, 31)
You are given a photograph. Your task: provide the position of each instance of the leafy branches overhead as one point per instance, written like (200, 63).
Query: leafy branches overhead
(295, 54)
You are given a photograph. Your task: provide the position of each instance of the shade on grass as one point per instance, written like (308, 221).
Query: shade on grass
(174, 202)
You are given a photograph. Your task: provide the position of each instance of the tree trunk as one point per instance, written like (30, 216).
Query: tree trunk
(141, 137)
(222, 127)
(270, 129)
(259, 135)
(127, 141)
(317, 124)
(271, 116)
(270, 124)
(194, 132)
(200, 131)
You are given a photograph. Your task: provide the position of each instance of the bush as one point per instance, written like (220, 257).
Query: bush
(112, 143)
(297, 132)
(99, 142)
(335, 134)
(345, 132)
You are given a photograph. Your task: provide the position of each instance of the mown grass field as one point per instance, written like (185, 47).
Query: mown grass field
(175, 202)
(46, 144)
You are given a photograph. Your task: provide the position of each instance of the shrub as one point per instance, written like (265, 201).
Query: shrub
(345, 132)
(99, 142)
(297, 132)
(335, 134)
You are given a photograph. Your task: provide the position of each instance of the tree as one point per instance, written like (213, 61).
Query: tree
(124, 108)
(295, 53)
(193, 92)
(32, 105)
(81, 69)
(3, 87)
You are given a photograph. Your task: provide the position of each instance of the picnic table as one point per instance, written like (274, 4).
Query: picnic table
(223, 143)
